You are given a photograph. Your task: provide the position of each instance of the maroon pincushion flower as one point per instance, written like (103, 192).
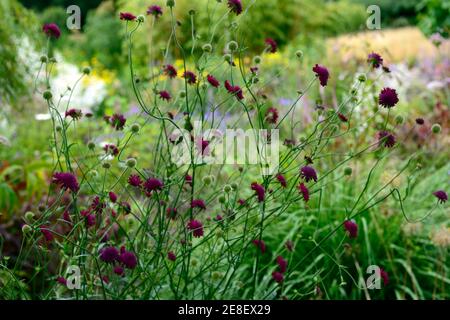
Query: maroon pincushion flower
(196, 227)
(66, 180)
(308, 173)
(235, 90)
(384, 275)
(112, 197)
(198, 203)
(322, 73)
(235, 6)
(48, 235)
(62, 280)
(111, 149)
(213, 81)
(188, 179)
(272, 45)
(125, 206)
(127, 258)
(97, 205)
(386, 138)
(260, 244)
(272, 115)
(66, 216)
(171, 213)
(282, 180)
(242, 202)
(441, 195)
(259, 191)
(304, 191)
(119, 270)
(109, 254)
(127, 16)
(153, 184)
(171, 256)
(420, 121)
(282, 264)
(74, 114)
(134, 180)
(277, 276)
(165, 95)
(388, 97)
(117, 121)
(375, 60)
(190, 77)
(154, 10)
(90, 220)
(351, 227)
(51, 30)
(170, 71)
(342, 117)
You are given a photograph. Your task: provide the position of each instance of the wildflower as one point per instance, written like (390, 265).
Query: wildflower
(235, 90)
(48, 235)
(420, 121)
(153, 184)
(388, 98)
(308, 173)
(47, 95)
(241, 202)
(282, 264)
(134, 180)
(66, 180)
(109, 254)
(272, 45)
(375, 60)
(154, 10)
(86, 71)
(282, 180)
(164, 95)
(232, 46)
(342, 117)
(351, 227)
(111, 149)
(213, 81)
(259, 191)
(127, 16)
(117, 121)
(51, 30)
(61, 280)
(436, 128)
(198, 203)
(119, 270)
(386, 138)
(304, 191)
(171, 213)
(441, 195)
(227, 188)
(277, 276)
(112, 197)
(196, 227)
(171, 256)
(260, 244)
(170, 71)
(74, 114)
(97, 205)
(125, 206)
(188, 180)
(235, 6)
(272, 115)
(289, 245)
(322, 73)
(127, 258)
(384, 275)
(190, 77)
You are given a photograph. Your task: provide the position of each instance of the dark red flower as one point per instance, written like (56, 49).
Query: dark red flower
(308, 173)
(171, 213)
(259, 191)
(117, 121)
(62, 281)
(90, 220)
(198, 203)
(51, 30)
(272, 45)
(282, 180)
(352, 228)
(322, 73)
(170, 71)
(272, 115)
(119, 270)
(260, 244)
(109, 254)
(112, 197)
(384, 275)
(66, 180)
(441, 195)
(165, 95)
(196, 227)
(388, 98)
(111, 149)
(66, 216)
(188, 179)
(304, 191)
(235, 90)
(235, 6)
(74, 114)
(277, 276)
(171, 256)
(48, 235)
(134, 180)
(97, 205)
(190, 77)
(342, 117)
(282, 264)
(386, 138)
(375, 60)
(127, 16)
(127, 258)
(289, 245)
(155, 11)
(420, 121)
(153, 184)
(242, 202)
(213, 81)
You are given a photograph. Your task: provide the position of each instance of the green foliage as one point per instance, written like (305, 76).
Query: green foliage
(434, 17)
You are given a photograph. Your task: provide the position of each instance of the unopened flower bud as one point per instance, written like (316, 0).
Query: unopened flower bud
(227, 188)
(131, 162)
(362, 77)
(140, 18)
(26, 229)
(222, 199)
(299, 54)
(257, 59)
(44, 59)
(106, 165)
(29, 216)
(232, 46)
(91, 145)
(86, 70)
(47, 95)
(135, 127)
(170, 3)
(436, 128)
(207, 47)
(348, 171)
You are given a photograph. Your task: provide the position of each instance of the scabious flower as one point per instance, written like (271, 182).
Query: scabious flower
(119, 270)
(171, 256)
(212, 81)
(304, 191)
(111, 149)
(260, 244)
(127, 258)
(51, 30)
(97, 205)
(170, 71)
(127, 16)
(117, 121)
(420, 121)
(154, 10)
(74, 114)
(277, 276)
(235, 90)
(196, 227)
(351, 227)
(441, 195)
(282, 180)
(272, 115)
(164, 95)
(134, 180)
(188, 180)
(62, 281)
(190, 77)
(388, 97)
(48, 235)
(386, 138)
(375, 60)
(272, 45)
(109, 254)
(282, 264)
(66, 180)
(198, 203)
(384, 275)
(308, 173)
(171, 213)
(235, 6)
(259, 191)
(342, 117)
(322, 73)
(153, 184)
(112, 197)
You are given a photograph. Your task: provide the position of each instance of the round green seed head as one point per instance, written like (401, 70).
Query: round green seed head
(182, 94)
(58, 128)
(234, 185)
(257, 59)
(47, 95)
(170, 3)
(135, 127)
(227, 57)
(141, 18)
(436, 128)
(44, 59)
(131, 162)
(29, 216)
(91, 145)
(227, 188)
(106, 165)
(207, 180)
(26, 229)
(232, 46)
(86, 70)
(222, 199)
(348, 171)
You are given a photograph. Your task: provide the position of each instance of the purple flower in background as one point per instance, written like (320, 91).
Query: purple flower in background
(213, 81)
(109, 254)
(127, 258)
(259, 191)
(386, 138)
(165, 95)
(308, 173)
(282, 180)
(351, 227)
(196, 227)
(74, 114)
(375, 60)
(134, 180)
(127, 16)
(170, 71)
(198, 203)
(272, 45)
(190, 77)
(51, 30)
(304, 191)
(155, 11)
(441, 195)
(235, 6)
(153, 184)
(388, 97)
(66, 180)
(322, 73)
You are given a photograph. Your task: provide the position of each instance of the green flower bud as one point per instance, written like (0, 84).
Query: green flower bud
(58, 128)
(234, 185)
(255, 80)
(299, 54)
(207, 47)
(135, 127)
(47, 95)
(206, 180)
(91, 145)
(194, 262)
(44, 59)
(170, 3)
(86, 70)
(191, 12)
(106, 165)
(182, 94)
(131, 162)
(227, 188)
(26, 229)
(257, 59)
(140, 18)
(52, 60)
(362, 77)
(216, 275)
(348, 171)
(204, 86)
(232, 46)
(29, 216)
(399, 119)
(436, 128)
(222, 199)
(227, 57)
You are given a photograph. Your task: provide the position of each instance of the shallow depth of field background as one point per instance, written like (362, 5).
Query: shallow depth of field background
(332, 33)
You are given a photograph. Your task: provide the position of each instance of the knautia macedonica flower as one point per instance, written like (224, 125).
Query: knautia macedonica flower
(196, 227)
(308, 173)
(384, 276)
(109, 254)
(352, 228)
(271, 44)
(111, 149)
(164, 95)
(117, 121)
(48, 235)
(304, 191)
(119, 270)
(134, 180)
(198, 203)
(51, 30)
(386, 139)
(277, 276)
(97, 205)
(260, 244)
(420, 121)
(112, 197)
(66, 180)
(61, 280)
(235, 6)
(213, 81)
(190, 77)
(282, 264)
(171, 213)
(188, 180)
(282, 180)
(375, 60)
(155, 11)
(127, 16)
(441, 195)
(342, 117)
(170, 71)
(235, 90)
(259, 191)
(127, 258)
(272, 115)
(171, 256)
(322, 73)
(153, 184)
(388, 97)
(74, 114)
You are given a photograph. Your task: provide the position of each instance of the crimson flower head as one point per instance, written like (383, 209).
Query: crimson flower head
(119, 270)
(260, 244)
(171, 256)
(384, 275)
(164, 95)
(170, 71)
(153, 184)
(190, 77)
(66, 180)
(282, 264)
(235, 6)
(198, 203)
(352, 228)
(134, 180)
(127, 16)
(277, 276)
(282, 180)
(259, 191)
(127, 258)
(272, 45)
(117, 121)
(48, 235)
(213, 81)
(154, 10)
(111, 149)
(235, 90)
(188, 179)
(272, 115)
(441, 195)
(342, 117)
(386, 138)
(420, 121)
(171, 213)
(61, 280)
(375, 60)
(74, 114)
(322, 73)
(308, 173)
(112, 197)
(196, 227)
(304, 191)
(51, 30)
(97, 205)
(109, 254)
(388, 97)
